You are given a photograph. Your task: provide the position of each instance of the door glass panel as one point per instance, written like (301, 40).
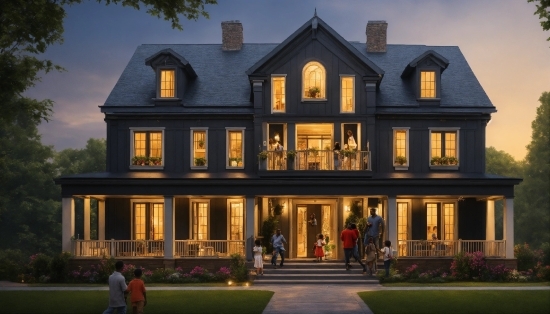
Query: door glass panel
(302, 231)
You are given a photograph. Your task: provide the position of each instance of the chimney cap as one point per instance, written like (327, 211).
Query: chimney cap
(377, 22)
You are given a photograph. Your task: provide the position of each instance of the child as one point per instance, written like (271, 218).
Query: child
(370, 250)
(136, 288)
(318, 246)
(258, 257)
(388, 255)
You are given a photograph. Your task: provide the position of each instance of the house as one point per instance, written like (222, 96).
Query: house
(205, 141)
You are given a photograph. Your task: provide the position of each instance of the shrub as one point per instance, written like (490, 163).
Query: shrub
(223, 274)
(545, 248)
(525, 256)
(12, 264)
(105, 268)
(543, 273)
(239, 271)
(477, 264)
(40, 264)
(460, 268)
(59, 267)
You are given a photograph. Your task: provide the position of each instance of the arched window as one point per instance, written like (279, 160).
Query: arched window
(314, 78)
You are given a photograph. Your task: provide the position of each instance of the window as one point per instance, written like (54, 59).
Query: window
(434, 228)
(402, 226)
(347, 101)
(236, 220)
(278, 93)
(147, 147)
(449, 221)
(235, 148)
(167, 83)
(199, 145)
(443, 147)
(199, 217)
(313, 77)
(427, 84)
(431, 219)
(400, 147)
(148, 221)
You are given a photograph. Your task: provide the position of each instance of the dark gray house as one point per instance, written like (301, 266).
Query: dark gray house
(204, 142)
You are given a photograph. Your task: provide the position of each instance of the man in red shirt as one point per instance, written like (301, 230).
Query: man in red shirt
(349, 239)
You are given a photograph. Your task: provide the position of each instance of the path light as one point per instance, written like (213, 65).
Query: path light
(230, 282)
(246, 284)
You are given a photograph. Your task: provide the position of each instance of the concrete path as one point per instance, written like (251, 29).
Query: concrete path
(303, 299)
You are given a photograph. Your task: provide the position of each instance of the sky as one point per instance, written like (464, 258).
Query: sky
(502, 41)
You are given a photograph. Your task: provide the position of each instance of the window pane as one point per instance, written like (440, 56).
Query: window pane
(278, 94)
(155, 140)
(436, 144)
(402, 221)
(450, 144)
(347, 101)
(157, 222)
(200, 221)
(427, 84)
(449, 210)
(400, 143)
(431, 219)
(236, 221)
(167, 83)
(235, 148)
(139, 221)
(139, 143)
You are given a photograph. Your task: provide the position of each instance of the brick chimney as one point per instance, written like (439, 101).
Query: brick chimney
(232, 35)
(376, 36)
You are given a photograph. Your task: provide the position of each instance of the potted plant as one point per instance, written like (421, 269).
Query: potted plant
(435, 161)
(140, 161)
(290, 157)
(278, 210)
(313, 151)
(262, 156)
(200, 161)
(313, 91)
(453, 161)
(401, 160)
(155, 161)
(234, 161)
(201, 143)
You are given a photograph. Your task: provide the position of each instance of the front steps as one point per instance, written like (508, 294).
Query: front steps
(306, 271)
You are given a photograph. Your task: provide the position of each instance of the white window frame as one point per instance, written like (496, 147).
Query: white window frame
(159, 82)
(323, 83)
(146, 129)
(149, 201)
(273, 76)
(191, 218)
(192, 146)
(444, 129)
(342, 77)
(227, 130)
(395, 164)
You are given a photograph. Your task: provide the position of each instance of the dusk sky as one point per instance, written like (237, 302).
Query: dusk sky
(501, 39)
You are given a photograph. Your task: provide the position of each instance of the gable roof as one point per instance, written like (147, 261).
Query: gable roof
(313, 26)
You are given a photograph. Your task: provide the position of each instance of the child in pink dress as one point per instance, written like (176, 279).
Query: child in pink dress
(318, 247)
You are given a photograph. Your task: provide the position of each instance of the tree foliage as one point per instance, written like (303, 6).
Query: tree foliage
(543, 10)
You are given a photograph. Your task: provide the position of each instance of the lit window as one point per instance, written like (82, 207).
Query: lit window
(148, 221)
(167, 83)
(200, 220)
(147, 147)
(427, 84)
(278, 93)
(199, 146)
(235, 148)
(314, 77)
(402, 227)
(236, 220)
(443, 147)
(400, 147)
(431, 219)
(449, 220)
(347, 101)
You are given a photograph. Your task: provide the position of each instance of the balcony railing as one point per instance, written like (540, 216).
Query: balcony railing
(320, 160)
(435, 248)
(155, 248)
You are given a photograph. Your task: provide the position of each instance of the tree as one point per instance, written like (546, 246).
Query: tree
(28, 27)
(543, 10)
(532, 214)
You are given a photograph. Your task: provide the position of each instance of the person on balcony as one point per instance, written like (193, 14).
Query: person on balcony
(278, 241)
(375, 227)
(352, 145)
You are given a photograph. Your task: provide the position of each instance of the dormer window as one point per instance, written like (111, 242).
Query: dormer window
(167, 83)
(424, 73)
(427, 84)
(314, 78)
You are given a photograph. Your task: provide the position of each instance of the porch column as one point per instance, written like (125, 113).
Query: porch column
(490, 225)
(249, 228)
(101, 220)
(169, 234)
(391, 224)
(67, 222)
(86, 218)
(508, 226)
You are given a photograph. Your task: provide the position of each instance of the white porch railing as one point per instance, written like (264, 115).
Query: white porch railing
(320, 160)
(425, 248)
(213, 248)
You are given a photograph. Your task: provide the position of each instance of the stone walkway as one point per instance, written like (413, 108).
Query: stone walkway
(303, 299)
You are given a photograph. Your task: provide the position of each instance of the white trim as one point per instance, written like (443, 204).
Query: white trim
(227, 130)
(192, 146)
(396, 165)
(145, 129)
(191, 221)
(273, 93)
(342, 76)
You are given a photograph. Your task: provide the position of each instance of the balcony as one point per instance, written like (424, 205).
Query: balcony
(445, 248)
(318, 160)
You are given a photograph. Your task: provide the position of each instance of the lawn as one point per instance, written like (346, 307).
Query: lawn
(456, 301)
(181, 301)
(468, 284)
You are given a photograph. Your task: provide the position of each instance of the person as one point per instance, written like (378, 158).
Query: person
(258, 257)
(349, 239)
(278, 241)
(388, 256)
(351, 141)
(375, 226)
(356, 247)
(136, 289)
(434, 237)
(336, 151)
(117, 291)
(312, 220)
(370, 250)
(318, 247)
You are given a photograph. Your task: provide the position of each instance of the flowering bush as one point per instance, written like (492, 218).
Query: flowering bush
(460, 267)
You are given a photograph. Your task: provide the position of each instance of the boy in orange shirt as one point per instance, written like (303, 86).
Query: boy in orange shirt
(138, 297)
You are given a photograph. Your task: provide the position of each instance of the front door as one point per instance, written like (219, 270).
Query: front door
(308, 228)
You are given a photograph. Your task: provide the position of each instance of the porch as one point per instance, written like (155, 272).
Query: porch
(314, 160)
(445, 248)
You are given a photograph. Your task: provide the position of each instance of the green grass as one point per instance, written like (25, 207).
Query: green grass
(181, 301)
(457, 301)
(467, 284)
